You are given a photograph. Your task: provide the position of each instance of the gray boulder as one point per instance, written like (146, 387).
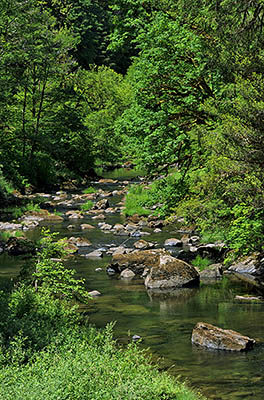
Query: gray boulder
(143, 245)
(171, 273)
(214, 271)
(252, 265)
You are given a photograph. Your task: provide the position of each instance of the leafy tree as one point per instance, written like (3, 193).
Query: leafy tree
(170, 84)
(33, 64)
(51, 277)
(89, 21)
(103, 96)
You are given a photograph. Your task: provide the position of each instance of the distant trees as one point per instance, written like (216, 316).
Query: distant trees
(51, 114)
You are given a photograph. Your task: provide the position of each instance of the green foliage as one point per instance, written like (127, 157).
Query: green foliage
(51, 277)
(246, 230)
(29, 322)
(136, 198)
(5, 187)
(17, 212)
(201, 263)
(89, 190)
(104, 95)
(164, 193)
(169, 81)
(87, 365)
(87, 205)
(5, 235)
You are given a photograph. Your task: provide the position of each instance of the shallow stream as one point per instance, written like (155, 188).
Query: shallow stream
(165, 322)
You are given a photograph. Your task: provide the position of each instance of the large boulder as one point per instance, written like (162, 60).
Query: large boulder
(215, 251)
(136, 261)
(171, 273)
(212, 337)
(252, 265)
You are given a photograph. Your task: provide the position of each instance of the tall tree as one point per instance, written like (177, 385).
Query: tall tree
(170, 84)
(34, 62)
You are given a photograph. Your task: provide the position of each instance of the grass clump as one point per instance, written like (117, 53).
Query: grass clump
(17, 212)
(201, 263)
(136, 200)
(89, 190)
(86, 364)
(87, 205)
(7, 235)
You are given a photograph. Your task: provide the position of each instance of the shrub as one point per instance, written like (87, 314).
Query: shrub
(89, 190)
(246, 229)
(136, 199)
(201, 263)
(86, 364)
(87, 205)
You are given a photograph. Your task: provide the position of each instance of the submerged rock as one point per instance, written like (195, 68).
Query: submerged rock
(79, 242)
(253, 299)
(173, 242)
(212, 337)
(95, 293)
(100, 216)
(107, 181)
(94, 254)
(105, 227)
(135, 338)
(127, 274)
(86, 226)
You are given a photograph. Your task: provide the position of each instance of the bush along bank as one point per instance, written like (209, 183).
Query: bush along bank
(237, 220)
(49, 352)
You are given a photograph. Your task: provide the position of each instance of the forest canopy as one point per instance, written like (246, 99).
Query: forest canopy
(168, 85)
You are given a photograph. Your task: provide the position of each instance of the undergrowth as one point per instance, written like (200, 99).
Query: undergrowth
(87, 205)
(48, 352)
(89, 190)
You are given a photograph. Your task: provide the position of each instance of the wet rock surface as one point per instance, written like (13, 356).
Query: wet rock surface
(171, 273)
(212, 337)
(136, 261)
(214, 271)
(252, 265)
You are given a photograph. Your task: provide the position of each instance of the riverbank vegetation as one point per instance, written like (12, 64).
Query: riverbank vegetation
(48, 350)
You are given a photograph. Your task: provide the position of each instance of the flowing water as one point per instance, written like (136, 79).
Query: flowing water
(165, 322)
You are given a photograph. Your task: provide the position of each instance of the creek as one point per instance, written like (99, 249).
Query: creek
(165, 322)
